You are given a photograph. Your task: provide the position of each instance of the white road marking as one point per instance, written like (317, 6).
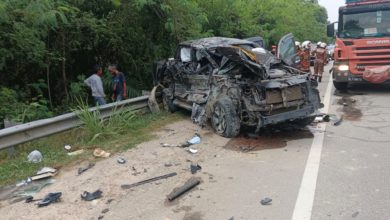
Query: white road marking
(304, 203)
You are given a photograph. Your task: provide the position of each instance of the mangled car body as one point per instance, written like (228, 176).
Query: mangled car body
(235, 83)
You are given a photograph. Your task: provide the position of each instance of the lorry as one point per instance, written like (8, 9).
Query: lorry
(362, 49)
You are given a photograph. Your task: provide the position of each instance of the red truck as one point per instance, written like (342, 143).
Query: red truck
(362, 52)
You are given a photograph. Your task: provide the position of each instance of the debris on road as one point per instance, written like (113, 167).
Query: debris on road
(46, 170)
(35, 157)
(194, 140)
(266, 201)
(50, 198)
(98, 152)
(191, 183)
(105, 210)
(83, 169)
(67, 147)
(121, 160)
(192, 150)
(168, 165)
(195, 168)
(338, 122)
(167, 145)
(30, 188)
(77, 152)
(322, 118)
(87, 196)
(135, 172)
(44, 173)
(128, 186)
(355, 214)
(31, 199)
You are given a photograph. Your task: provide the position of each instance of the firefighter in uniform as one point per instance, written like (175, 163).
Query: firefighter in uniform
(304, 55)
(320, 57)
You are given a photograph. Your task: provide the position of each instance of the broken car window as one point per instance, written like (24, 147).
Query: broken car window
(185, 54)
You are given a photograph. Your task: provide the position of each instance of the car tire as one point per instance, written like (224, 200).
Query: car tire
(167, 101)
(340, 85)
(224, 119)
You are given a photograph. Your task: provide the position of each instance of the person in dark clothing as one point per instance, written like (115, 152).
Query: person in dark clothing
(118, 84)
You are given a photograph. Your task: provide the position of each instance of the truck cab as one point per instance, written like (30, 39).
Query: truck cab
(362, 49)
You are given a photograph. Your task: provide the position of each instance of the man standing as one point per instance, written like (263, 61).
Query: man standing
(118, 83)
(95, 83)
(320, 54)
(304, 55)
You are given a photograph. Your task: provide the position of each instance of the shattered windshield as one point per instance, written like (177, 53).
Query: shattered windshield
(367, 24)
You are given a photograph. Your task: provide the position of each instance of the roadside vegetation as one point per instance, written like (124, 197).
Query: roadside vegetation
(48, 47)
(117, 138)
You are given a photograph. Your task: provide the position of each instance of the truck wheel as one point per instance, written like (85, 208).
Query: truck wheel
(225, 120)
(167, 101)
(340, 85)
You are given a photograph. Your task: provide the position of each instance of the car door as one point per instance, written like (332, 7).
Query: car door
(287, 51)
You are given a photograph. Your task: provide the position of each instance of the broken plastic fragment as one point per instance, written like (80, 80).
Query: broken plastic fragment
(87, 196)
(50, 198)
(46, 170)
(83, 169)
(100, 153)
(195, 168)
(67, 147)
(337, 123)
(194, 140)
(121, 160)
(193, 151)
(266, 201)
(35, 157)
(77, 152)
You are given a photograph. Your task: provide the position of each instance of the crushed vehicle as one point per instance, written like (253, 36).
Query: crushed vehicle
(235, 83)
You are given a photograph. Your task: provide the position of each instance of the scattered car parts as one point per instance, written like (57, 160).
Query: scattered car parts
(191, 183)
(128, 186)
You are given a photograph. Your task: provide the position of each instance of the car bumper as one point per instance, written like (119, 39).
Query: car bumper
(287, 116)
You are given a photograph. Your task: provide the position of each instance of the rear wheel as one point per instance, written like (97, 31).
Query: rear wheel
(340, 85)
(225, 120)
(167, 101)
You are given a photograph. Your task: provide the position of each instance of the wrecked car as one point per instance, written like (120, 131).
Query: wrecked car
(235, 83)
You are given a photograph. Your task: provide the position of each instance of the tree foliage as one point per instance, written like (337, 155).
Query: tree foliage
(58, 40)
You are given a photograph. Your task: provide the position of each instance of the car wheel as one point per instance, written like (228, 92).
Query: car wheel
(225, 120)
(167, 101)
(340, 85)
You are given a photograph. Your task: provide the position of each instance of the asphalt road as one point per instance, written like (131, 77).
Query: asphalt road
(322, 172)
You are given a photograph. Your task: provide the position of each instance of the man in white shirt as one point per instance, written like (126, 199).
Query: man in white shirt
(96, 85)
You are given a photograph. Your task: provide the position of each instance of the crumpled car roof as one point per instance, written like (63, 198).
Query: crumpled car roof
(212, 42)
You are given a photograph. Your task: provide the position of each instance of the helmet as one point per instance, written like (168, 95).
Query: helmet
(306, 44)
(297, 43)
(319, 43)
(323, 45)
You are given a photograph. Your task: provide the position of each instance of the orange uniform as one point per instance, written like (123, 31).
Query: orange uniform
(305, 60)
(320, 54)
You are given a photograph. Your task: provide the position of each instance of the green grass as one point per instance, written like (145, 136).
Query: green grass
(54, 155)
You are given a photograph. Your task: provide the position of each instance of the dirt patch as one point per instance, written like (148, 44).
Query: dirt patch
(271, 138)
(349, 109)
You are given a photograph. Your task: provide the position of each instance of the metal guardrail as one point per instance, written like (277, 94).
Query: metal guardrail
(29, 131)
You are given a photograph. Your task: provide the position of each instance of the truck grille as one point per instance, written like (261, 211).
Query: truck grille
(371, 56)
